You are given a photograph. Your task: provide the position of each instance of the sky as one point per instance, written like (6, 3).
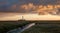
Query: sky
(5, 5)
(12, 5)
(23, 6)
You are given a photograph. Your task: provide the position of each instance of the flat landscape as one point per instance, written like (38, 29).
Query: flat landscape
(40, 27)
(29, 16)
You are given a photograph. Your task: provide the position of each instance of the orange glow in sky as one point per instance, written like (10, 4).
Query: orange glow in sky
(31, 6)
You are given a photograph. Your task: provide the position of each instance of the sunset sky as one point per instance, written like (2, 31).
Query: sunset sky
(15, 7)
(12, 5)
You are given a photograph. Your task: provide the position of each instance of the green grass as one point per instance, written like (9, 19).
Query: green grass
(40, 27)
(44, 28)
(6, 26)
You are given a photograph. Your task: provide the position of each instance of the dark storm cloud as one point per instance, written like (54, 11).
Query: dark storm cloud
(38, 1)
(6, 5)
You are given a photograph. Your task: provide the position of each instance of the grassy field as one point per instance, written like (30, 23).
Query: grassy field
(9, 25)
(44, 28)
(40, 27)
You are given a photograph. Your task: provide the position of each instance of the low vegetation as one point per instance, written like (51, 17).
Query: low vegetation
(40, 27)
(6, 26)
